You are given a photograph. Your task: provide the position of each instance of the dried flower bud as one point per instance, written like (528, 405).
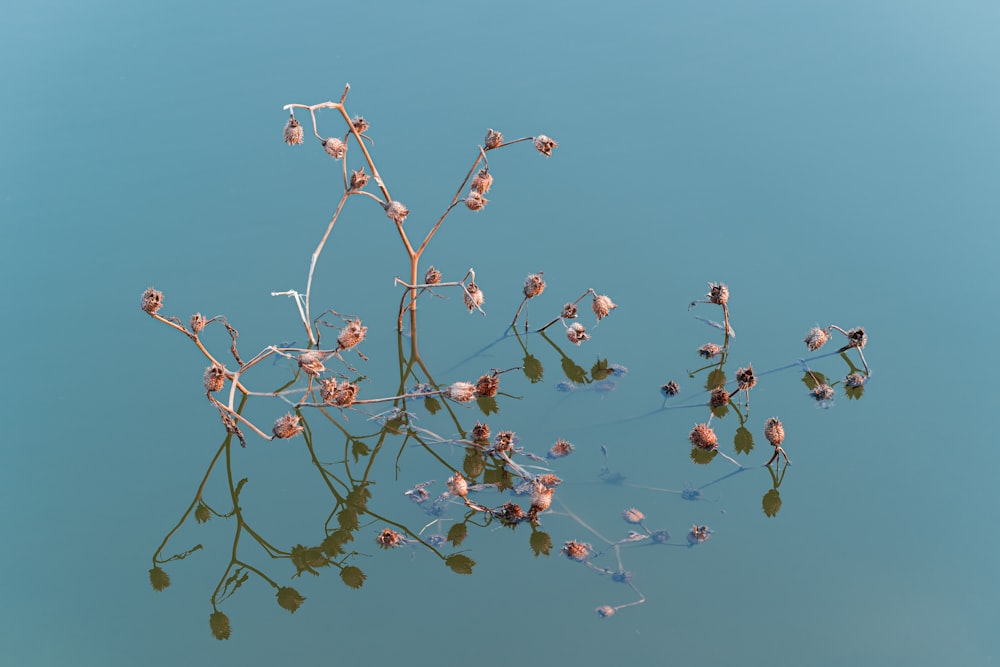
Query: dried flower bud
(703, 437)
(215, 378)
(458, 485)
(533, 285)
(541, 498)
(822, 392)
(481, 432)
(577, 333)
(487, 385)
(856, 338)
(432, 277)
(578, 551)
(569, 311)
(482, 181)
(198, 323)
(670, 389)
(389, 538)
(475, 201)
(293, 132)
(352, 334)
(360, 124)
(544, 145)
(286, 426)
(718, 397)
(560, 449)
(493, 139)
(461, 392)
(503, 441)
(335, 148)
(633, 516)
(152, 301)
(601, 306)
(816, 338)
(718, 293)
(709, 350)
(219, 623)
(604, 611)
(396, 212)
(473, 297)
(359, 178)
(745, 378)
(854, 380)
(311, 363)
(774, 431)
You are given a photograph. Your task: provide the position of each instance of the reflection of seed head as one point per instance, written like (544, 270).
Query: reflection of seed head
(605, 611)
(709, 350)
(854, 380)
(633, 516)
(578, 551)
(560, 449)
(388, 538)
(822, 392)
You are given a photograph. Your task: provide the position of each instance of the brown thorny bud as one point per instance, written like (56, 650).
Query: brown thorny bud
(353, 333)
(461, 392)
(482, 181)
(311, 363)
(544, 145)
(703, 437)
(198, 323)
(569, 311)
(503, 441)
(215, 378)
(396, 212)
(493, 139)
(822, 392)
(432, 277)
(335, 148)
(549, 479)
(293, 132)
(718, 293)
(774, 431)
(359, 178)
(745, 378)
(286, 426)
(578, 551)
(360, 124)
(458, 485)
(602, 305)
(341, 395)
(475, 201)
(856, 338)
(473, 297)
(718, 397)
(633, 516)
(560, 449)
(541, 498)
(389, 538)
(487, 385)
(533, 286)
(481, 432)
(577, 333)
(152, 301)
(709, 350)
(671, 388)
(816, 338)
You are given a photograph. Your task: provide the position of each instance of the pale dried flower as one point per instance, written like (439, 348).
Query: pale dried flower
(473, 297)
(458, 485)
(335, 148)
(718, 293)
(215, 378)
(293, 132)
(482, 181)
(493, 139)
(286, 426)
(359, 178)
(602, 305)
(353, 333)
(560, 449)
(633, 516)
(396, 212)
(745, 378)
(703, 437)
(360, 124)
(709, 350)
(541, 498)
(475, 201)
(487, 385)
(544, 145)
(816, 338)
(432, 276)
(774, 431)
(856, 338)
(569, 311)
(533, 285)
(198, 323)
(577, 333)
(311, 363)
(503, 441)
(461, 392)
(578, 551)
(670, 389)
(481, 432)
(152, 301)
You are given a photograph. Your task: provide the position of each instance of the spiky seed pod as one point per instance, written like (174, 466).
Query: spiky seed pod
(286, 426)
(503, 441)
(560, 449)
(718, 397)
(219, 623)
(215, 378)
(388, 538)
(578, 551)
(432, 277)
(602, 305)
(152, 301)
(703, 437)
(335, 148)
(487, 385)
(359, 178)
(360, 124)
(511, 513)
(345, 395)
(461, 392)
(493, 139)
(544, 145)
(541, 498)
(816, 338)
(718, 293)
(352, 334)
(473, 297)
(311, 363)
(569, 311)
(822, 392)
(856, 337)
(396, 212)
(774, 431)
(533, 285)
(198, 323)
(604, 611)
(854, 380)
(633, 516)
(293, 132)
(745, 378)
(474, 201)
(549, 480)
(670, 389)
(481, 432)
(709, 350)
(328, 390)
(458, 485)
(482, 181)
(577, 333)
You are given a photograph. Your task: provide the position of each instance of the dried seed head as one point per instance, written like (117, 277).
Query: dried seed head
(511, 513)
(345, 395)
(856, 337)
(544, 145)
(328, 390)
(335, 148)
(578, 551)
(396, 212)
(533, 285)
(482, 181)
(389, 538)
(560, 449)
(601, 306)
(548, 479)
(215, 378)
(353, 333)
(822, 392)
(709, 350)
(461, 392)
(569, 311)
(541, 498)
(432, 277)
(633, 516)
(816, 338)
(311, 363)
(481, 432)
(475, 201)
(854, 380)
(473, 297)
(718, 397)
(605, 611)
(718, 293)
(670, 389)
(493, 139)
(774, 431)
(703, 437)
(577, 333)
(359, 178)
(487, 385)
(745, 378)
(503, 441)
(458, 485)
(152, 301)
(287, 426)
(360, 124)
(198, 323)
(293, 132)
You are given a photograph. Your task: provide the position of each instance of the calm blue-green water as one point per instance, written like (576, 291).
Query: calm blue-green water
(833, 164)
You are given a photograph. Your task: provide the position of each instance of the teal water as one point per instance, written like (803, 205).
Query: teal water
(831, 165)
